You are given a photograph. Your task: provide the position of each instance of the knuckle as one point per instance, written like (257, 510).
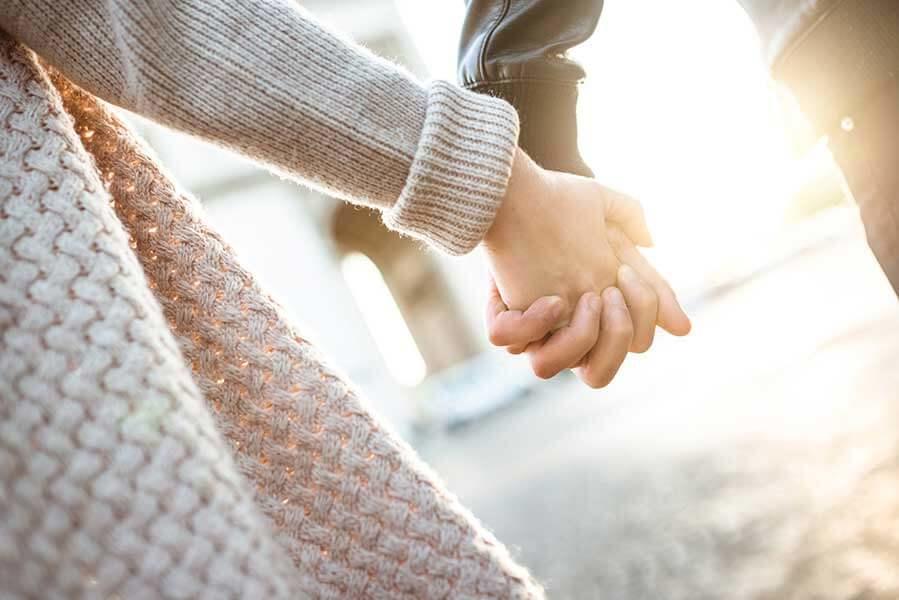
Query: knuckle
(620, 326)
(541, 326)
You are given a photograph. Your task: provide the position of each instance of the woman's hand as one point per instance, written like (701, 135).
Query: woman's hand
(595, 341)
(559, 245)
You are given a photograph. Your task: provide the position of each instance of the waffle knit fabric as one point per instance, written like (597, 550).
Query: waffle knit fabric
(164, 432)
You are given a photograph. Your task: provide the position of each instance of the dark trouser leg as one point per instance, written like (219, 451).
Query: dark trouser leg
(842, 68)
(868, 154)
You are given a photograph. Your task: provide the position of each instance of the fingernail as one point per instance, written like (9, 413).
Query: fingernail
(613, 296)
(595, 303)
(555, 307)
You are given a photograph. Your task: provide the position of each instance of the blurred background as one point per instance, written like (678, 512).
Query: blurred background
(756, 458)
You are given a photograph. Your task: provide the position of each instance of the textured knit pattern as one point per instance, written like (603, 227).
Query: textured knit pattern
(113, 478)
(129, 468)
(261, 77)
(423, 210)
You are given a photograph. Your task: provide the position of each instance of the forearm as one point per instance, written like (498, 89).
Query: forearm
(518, 51)
(261, 77)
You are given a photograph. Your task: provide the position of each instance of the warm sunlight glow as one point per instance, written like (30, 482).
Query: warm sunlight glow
(679, 111)
(384, 320)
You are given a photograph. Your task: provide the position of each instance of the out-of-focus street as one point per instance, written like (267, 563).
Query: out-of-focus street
(758, 458)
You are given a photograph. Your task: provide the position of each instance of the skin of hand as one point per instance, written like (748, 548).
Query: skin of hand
(551, 225)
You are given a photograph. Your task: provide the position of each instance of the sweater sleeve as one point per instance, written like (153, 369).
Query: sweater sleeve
(261, 77)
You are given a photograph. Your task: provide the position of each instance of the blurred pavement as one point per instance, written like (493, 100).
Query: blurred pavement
(758, 458)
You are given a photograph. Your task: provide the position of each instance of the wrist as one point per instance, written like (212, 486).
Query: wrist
(523, 181)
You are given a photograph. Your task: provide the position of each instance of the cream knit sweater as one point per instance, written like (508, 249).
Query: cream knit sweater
(164, 433)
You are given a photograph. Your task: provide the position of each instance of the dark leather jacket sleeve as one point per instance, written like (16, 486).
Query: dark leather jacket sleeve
(516, 49)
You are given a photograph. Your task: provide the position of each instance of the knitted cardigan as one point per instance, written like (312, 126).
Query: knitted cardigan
(164, 432)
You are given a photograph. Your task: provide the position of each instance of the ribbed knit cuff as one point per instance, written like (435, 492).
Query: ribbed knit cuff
(460, 171)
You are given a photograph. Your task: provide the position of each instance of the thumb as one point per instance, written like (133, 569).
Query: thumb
(627, 213)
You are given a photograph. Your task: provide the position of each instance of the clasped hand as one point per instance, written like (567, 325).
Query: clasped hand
(569, 286)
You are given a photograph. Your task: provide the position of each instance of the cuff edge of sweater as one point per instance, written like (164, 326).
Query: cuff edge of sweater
(455, 187)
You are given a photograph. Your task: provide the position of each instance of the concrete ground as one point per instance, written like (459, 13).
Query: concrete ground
(758, 458)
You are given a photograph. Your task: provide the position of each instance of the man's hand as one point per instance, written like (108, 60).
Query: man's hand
(558, 247)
